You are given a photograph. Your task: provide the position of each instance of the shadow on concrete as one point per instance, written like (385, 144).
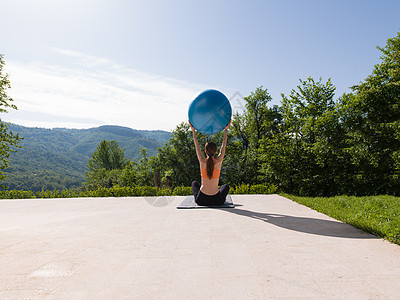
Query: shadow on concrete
(305, 224)
(160, 201)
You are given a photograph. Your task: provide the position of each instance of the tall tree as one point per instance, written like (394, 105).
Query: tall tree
(107, 166)
(108, 156)
(300, 156)
(145, 168)
(258, 122)
(257, 114)
(8, 140)
(372, 117)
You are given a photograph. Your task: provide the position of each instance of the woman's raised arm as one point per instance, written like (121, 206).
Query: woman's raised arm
(196, 144)
(224, 142)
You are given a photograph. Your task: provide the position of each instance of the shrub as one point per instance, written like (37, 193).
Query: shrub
(101, 192)
(17, 194)
(241, 189)
(182, 191)
(118, 191)
(135, 191)
(254, 189)
(164, 192)
(262, 189)
(148, 191)
(45, 194)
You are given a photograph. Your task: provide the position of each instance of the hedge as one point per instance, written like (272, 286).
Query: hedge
(135, 191)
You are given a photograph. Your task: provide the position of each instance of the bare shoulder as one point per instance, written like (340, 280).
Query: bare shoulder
(219, 160)
(203, 161)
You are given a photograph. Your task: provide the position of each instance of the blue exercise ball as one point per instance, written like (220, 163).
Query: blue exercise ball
(210, 112)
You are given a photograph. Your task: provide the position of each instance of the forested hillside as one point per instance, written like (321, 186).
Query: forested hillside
(57, 158)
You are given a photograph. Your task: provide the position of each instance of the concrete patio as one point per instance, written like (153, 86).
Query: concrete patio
(267, 247)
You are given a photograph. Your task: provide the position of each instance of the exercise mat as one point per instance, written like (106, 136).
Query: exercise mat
(188, 202)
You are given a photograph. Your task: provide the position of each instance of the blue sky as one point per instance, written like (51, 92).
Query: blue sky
(79, 64)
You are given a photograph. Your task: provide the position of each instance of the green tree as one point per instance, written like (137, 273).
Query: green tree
(106, 166)
(257, 115)
(301, 155)
(178, 156)
(257, 123)
(129, 175)
(372, 119)
(9, 140)
(108, 156)
(145, 168)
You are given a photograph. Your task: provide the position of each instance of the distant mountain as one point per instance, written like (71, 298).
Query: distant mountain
(57, 158)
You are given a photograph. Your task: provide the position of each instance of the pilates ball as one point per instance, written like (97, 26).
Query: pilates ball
(210, 112)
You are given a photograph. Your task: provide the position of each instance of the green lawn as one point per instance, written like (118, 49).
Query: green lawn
(379, 215)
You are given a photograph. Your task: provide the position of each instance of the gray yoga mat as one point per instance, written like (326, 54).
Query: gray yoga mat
(188, 202)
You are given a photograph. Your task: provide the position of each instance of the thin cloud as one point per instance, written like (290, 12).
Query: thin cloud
(88, 91)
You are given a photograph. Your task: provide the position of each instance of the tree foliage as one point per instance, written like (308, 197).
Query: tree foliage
(108, 156)
(61, 155)
(372, 120)
(106, 166)
(301, 155)
(8, 140)
(312, 144)
(316, 145)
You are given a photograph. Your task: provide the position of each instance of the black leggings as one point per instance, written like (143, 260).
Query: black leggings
(209, 200)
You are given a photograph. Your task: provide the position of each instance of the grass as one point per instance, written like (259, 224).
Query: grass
(379, 215)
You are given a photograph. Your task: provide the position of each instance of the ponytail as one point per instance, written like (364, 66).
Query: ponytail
(210, 166)
(211, 149)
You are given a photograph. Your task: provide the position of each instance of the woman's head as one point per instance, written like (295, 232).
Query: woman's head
(211, 149)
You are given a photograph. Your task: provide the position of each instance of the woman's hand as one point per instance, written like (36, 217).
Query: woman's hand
(229, 124)
(191, 126)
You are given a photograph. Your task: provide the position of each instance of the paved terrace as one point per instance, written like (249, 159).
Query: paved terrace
(267, 247)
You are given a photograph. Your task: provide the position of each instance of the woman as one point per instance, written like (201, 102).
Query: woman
(207, 193)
